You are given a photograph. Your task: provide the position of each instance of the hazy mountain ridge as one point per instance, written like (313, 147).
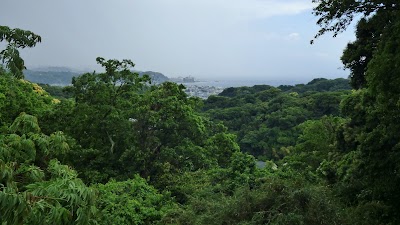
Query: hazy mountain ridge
(156, 77)
(62, 76)
(59, 78)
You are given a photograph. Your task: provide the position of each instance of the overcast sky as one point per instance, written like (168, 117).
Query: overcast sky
(218, 39)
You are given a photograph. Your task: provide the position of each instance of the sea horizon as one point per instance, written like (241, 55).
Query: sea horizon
(242, 83)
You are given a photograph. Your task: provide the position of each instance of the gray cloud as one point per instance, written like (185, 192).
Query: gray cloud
(241, 39)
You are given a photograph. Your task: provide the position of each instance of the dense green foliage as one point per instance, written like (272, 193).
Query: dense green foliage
(56, 91)
(18, 96)
(265, 119)
(118, 150)
(35, 187)
(124, 127)
(276, 200)
(16, 38)
(335, 15)
(130, 202)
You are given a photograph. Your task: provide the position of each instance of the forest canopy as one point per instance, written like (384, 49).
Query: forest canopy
(117, 149)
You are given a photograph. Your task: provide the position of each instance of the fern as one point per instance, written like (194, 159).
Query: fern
(43, 193)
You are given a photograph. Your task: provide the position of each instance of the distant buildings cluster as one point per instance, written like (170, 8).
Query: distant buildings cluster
(62, 76)
(188, 79)
(202, 91)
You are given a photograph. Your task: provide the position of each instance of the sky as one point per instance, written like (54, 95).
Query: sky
(206, 39)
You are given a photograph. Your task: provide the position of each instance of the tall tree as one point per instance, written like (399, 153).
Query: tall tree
(372, 132)
(125, 126)
(15, 39)
(99, 117)
(359, 53)
(336, 15)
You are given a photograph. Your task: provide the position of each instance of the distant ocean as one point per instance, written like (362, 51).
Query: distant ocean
(241, 83)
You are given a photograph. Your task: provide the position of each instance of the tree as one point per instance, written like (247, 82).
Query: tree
(272, 199)
(371, 135)
(18, 96)
(169, 135)
(126, 127)
(359, 53)
(131, 202)
(100, 118)
(34, 187)
(265, 123)
(376, 16)
(15, 39)
(336, 15)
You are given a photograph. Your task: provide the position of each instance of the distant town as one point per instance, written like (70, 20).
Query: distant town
(197, 88)
(62, 76)
(203, 91)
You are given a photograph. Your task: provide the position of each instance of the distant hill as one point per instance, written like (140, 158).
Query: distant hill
(319, 85)
(51, 77)
(53, 69)
(265, 119)
(62, 76)
(316, 85)
(156, 77)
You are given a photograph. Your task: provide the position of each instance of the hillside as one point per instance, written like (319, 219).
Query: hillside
(265, 118)
(113, 149)
(156, 77)
(52, 77)
(62, 76)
